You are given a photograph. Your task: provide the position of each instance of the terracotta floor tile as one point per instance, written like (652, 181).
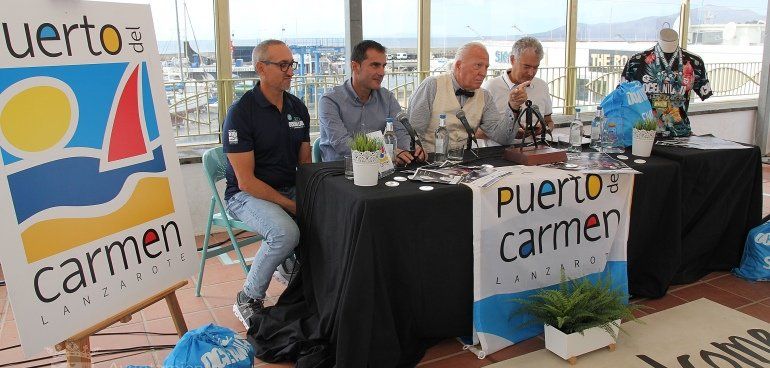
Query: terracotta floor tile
(518, 349)
(224, 317)
(758, 310)
(444, 348)
(657, 305)
(714, 275)
(166, 325)
(275, 288)
(187, 301)
(9, 335)
(464, 359)
(766, 302)
(160, 356)
(639, 313)
(102, 341)
(16, 355)
(221, 273)
(6, 312)
(713, 293)
(220, 295)
(753, 291)
(274, 365)
(11, 355)
(124, 359)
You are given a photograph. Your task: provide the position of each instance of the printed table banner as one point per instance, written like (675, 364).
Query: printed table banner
(530, 225)
(94, 217)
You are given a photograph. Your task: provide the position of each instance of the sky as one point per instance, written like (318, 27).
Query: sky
(260, 19)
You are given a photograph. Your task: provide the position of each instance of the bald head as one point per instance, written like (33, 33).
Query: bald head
(470, 66)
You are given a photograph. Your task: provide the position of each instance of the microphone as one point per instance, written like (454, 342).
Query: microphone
(401, 116)
(471, 135)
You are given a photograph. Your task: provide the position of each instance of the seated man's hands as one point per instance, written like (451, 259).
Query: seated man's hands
(538, 130)
(405, 157)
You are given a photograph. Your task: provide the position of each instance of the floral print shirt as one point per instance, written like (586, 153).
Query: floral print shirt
(667, 80)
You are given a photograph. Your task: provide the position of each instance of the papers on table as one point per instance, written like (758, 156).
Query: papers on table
(701, 142)
(593, 163)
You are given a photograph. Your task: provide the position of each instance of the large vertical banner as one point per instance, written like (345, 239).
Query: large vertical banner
(94, 218)
(530, 226)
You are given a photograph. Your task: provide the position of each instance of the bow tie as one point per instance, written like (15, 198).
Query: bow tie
(464, 92)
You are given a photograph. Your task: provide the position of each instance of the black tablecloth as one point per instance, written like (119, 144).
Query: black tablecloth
(721, 200)
(388, 271)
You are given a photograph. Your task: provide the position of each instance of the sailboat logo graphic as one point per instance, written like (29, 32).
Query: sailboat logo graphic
(81, 150)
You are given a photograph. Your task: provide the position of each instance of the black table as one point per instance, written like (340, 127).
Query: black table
(721, 199)
(386, 272)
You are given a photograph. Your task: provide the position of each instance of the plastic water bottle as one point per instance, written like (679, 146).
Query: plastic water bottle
(576, 134)
(442, 139)
(611, 141)
(390, 139)
(596, 129)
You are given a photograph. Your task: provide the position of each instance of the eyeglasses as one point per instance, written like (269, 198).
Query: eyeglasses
(284, 65)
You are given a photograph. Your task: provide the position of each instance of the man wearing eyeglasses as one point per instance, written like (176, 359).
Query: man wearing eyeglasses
(458, 90)
(518, 84)
(360, 105)
(266, 135)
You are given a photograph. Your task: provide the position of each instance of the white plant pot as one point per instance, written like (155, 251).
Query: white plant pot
(642, 141)
(569, 347)
(366, 167)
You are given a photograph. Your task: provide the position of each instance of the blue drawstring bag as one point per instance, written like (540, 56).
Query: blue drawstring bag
(626, 105)
(755, 263)
(211, 346)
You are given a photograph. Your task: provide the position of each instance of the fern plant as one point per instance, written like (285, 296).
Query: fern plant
(363, 143)
(575, 306)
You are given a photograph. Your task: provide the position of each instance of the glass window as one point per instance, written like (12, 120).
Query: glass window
(394, 24)
(497, 24)
(729, 37)
(610, 32)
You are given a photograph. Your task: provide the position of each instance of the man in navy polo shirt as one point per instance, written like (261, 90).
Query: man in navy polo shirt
(266, 135)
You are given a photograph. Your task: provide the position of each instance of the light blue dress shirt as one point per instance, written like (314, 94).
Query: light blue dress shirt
(341, 114)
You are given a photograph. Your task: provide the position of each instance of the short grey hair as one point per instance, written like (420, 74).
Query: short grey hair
(525, 43)
(260, 52)
(463, 50)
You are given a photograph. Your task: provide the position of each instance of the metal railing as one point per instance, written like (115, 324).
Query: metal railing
(193, 105)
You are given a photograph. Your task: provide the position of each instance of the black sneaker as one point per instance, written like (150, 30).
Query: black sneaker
(246, 307)
(286, 270)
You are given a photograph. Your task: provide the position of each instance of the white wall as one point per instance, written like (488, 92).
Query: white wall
(737, 126)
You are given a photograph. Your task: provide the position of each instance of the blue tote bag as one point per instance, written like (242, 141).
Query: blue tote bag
(626, 105)
(211, 346)
(755, 263)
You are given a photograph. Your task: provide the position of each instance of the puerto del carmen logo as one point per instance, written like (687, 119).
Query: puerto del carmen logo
(81, 151)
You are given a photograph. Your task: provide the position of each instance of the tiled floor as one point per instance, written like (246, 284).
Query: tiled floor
(153, 326)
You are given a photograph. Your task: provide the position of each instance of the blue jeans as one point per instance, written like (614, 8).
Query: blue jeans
(277, 227)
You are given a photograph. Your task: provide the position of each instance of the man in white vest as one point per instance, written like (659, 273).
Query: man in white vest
(518, 84)
(451, 92)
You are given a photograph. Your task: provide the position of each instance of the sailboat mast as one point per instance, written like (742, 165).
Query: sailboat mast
(179, 42)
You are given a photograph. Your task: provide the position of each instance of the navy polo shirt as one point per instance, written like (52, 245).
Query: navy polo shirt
(255, 125)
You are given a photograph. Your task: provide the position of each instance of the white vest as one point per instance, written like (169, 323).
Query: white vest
(446, 103)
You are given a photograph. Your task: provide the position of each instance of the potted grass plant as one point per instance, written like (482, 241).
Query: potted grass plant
(366, 159)
(643, 137)
(579, 316)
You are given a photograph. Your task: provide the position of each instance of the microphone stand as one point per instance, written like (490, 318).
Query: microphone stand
(529, 127)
